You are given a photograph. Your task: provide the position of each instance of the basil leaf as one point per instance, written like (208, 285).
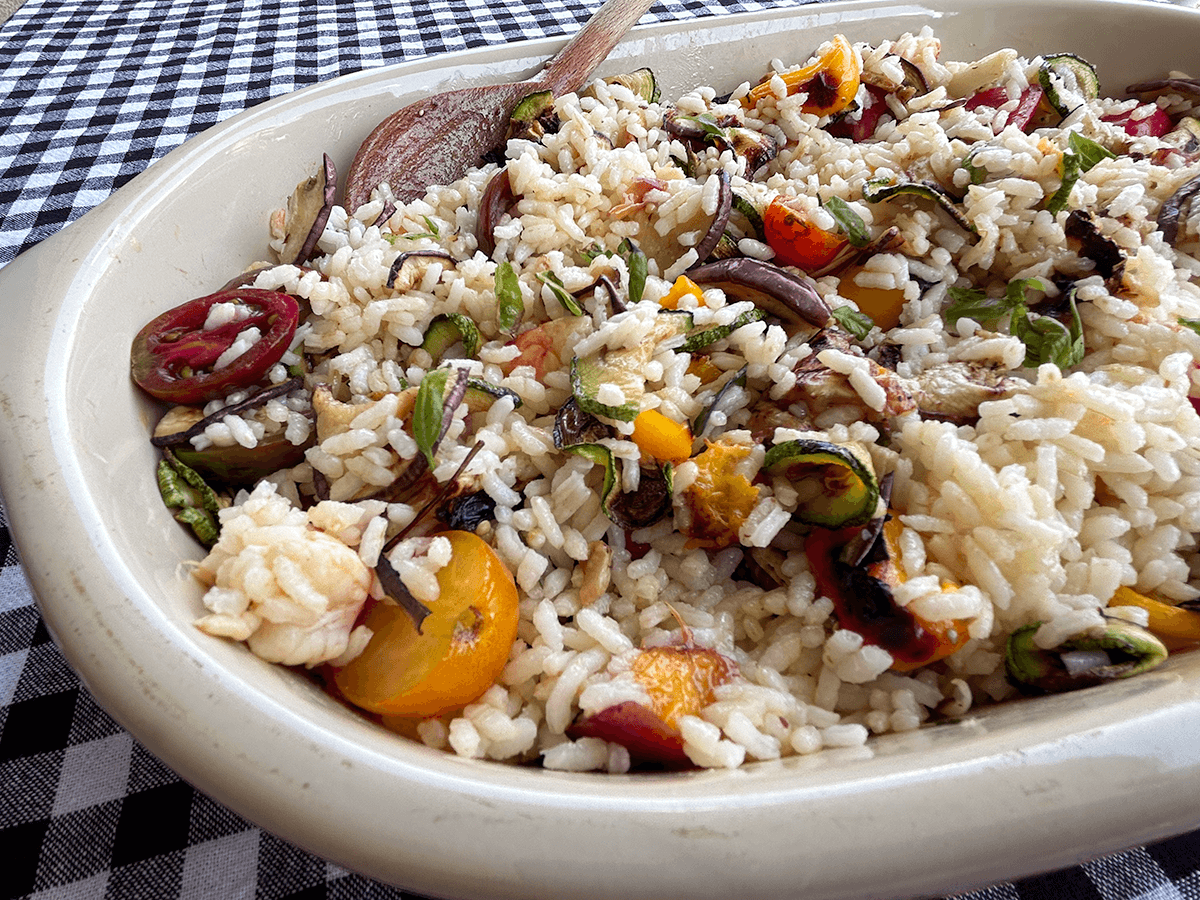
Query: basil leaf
(638, 269)
(977, 173)
(849, 221)
(427, 412)
(1046, 339)
(972, 304)
(1193, 324)
(1071, 172)
(509, 304)
(564, 297)
(708, 124)
(857, 323)
(1087, 150)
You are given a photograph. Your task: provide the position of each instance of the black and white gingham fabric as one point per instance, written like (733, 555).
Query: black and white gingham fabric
(91, 92)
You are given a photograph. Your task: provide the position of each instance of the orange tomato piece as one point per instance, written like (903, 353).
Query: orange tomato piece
(704, 369)
(681, 681)
(950, 634)
(683, 287)
(831, 81)
(883, 305)
(460, 650)
(1176, 627)
(720, 498)
(796, 241)
(662, 438)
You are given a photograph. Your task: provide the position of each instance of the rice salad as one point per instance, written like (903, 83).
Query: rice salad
(729, 427)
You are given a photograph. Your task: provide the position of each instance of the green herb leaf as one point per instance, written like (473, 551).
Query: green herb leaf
(1071, 172)
(1193, 324)
(972, 304)
(849, 221)
(978, 173)
(509, 304)
(427, 412)
(638, 269)
(1088, 151)
(560, 292)
(708, 124)
(1046, 339)
(857, 323)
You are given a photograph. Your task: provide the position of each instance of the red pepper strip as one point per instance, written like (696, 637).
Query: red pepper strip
(862, 598)
(861, 128)
(1156, 124)
(1027, 107)
(995, 97)
(172, 357)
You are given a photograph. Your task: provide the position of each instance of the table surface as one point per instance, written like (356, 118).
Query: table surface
(91, 92)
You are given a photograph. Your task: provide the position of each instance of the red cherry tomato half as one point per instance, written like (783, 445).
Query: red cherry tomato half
(172, 357)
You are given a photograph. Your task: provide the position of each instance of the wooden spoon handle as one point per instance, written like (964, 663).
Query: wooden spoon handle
(572, 65)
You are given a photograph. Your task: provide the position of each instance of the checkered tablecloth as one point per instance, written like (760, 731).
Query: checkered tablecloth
(91, 92)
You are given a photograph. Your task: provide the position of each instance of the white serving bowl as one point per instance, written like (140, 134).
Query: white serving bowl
(1012, 790)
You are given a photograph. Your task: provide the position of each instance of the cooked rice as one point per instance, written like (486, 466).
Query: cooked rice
(1074, 485)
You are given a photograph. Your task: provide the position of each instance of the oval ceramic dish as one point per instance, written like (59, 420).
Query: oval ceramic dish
(1011, 790)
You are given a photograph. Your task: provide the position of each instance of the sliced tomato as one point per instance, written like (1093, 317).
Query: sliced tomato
(796, 241)
(173, 357)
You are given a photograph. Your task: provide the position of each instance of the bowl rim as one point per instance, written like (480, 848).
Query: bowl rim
(1147, 751)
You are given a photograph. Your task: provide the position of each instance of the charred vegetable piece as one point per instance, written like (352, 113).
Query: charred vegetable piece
(192, 502)
(455, 654)
(468, 512)
(650, 503)
(785, 295)
(705, 337)
(720, 498)
(1173, 208)
(622, 370)
(1068, 81)
(480, 395)
(1176, 626)
(573, 426)
(701, 422)
(232, 465)
(532, 117)
(831, 82)
(177, 359)
(447, 330)
(857, 568)
(404, 271)
(1122, 650)
(881, 189)
(307, 212)
(836, 482)
(497, 201)
(641, 82)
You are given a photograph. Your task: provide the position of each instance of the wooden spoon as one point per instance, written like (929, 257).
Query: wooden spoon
(436, 140)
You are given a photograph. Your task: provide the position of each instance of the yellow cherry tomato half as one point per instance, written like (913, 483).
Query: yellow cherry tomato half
(460, 650)
(796, 241)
